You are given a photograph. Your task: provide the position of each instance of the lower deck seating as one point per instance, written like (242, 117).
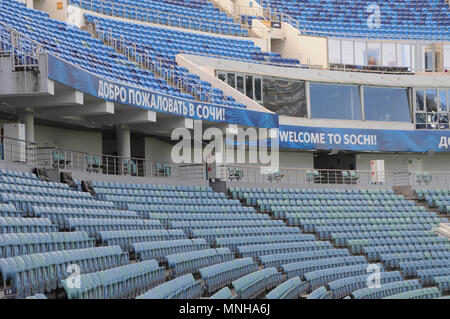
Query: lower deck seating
(219, 275)
(18, 244)
(387, 290)
(122, 282)
(256, 283)
(426, 293)
(184, 287)
(190, 262)
(344, 287)
(224, 293)
(43, 272)
(159, 249)
(290, 289)
(320, 293)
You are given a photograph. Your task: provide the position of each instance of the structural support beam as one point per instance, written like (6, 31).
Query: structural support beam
(88, 109)
(62, 98)
(28, 119)
(123, 138)
(128, 116)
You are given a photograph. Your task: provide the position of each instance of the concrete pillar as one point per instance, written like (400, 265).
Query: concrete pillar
(28, 120)
(123, 141)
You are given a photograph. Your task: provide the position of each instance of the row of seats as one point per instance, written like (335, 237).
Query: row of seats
(123, 282)
(190, 262)
(277, 260)
(38, 273)
(256, 283)
(126, 237)
(344, 287)
(18, 244)
(234, 242)
(426, 293)
(279, 248)
(220, 275)
(26, 225)
(184, 287)
(92, 226)
(41, 190)
(320, 293)
(211, 235)
(290, 289)
(159, 249)
(385, 290)
(61, 215)
(195, 15)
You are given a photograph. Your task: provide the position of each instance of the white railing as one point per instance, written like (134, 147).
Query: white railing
(17, 151)
(23, 50)
(303, 176)
(426, 179)
(60, 158)
(150, 15)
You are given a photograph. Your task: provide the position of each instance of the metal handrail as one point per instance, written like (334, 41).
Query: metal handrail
(23, 50)
(303, 176)
(17, 150)
(67, 159)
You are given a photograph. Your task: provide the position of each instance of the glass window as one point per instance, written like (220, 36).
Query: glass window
(334, 51)
(330, 101)
(443, 100)
(431, 105)
(404, 55)
(374, 54)
(231, 80)
(249, 86)
(420, 101)
(386, 104)
(285, 97)
(360, 53)
(240, 84)
(389, 54)
(347, 52)
(447, 57)
(258, 89)
(222, 76)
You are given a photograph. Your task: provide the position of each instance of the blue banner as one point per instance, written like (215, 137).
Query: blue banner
(83, 81)
(363, 140)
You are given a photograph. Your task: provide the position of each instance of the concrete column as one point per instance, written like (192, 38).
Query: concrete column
(123, 141)
(28, 120)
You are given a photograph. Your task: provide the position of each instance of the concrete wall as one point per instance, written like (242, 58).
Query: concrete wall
(51, 7)
(399, 162)
(77, 140)
(157, 150)
(75, 16)
(309, 50)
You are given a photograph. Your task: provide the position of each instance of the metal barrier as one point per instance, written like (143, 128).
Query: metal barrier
(302, 176)
(17, 151)
(23, 50)
(59, 158)
(425, 179)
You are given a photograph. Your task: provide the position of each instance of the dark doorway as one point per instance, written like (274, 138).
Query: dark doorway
(335, 168)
